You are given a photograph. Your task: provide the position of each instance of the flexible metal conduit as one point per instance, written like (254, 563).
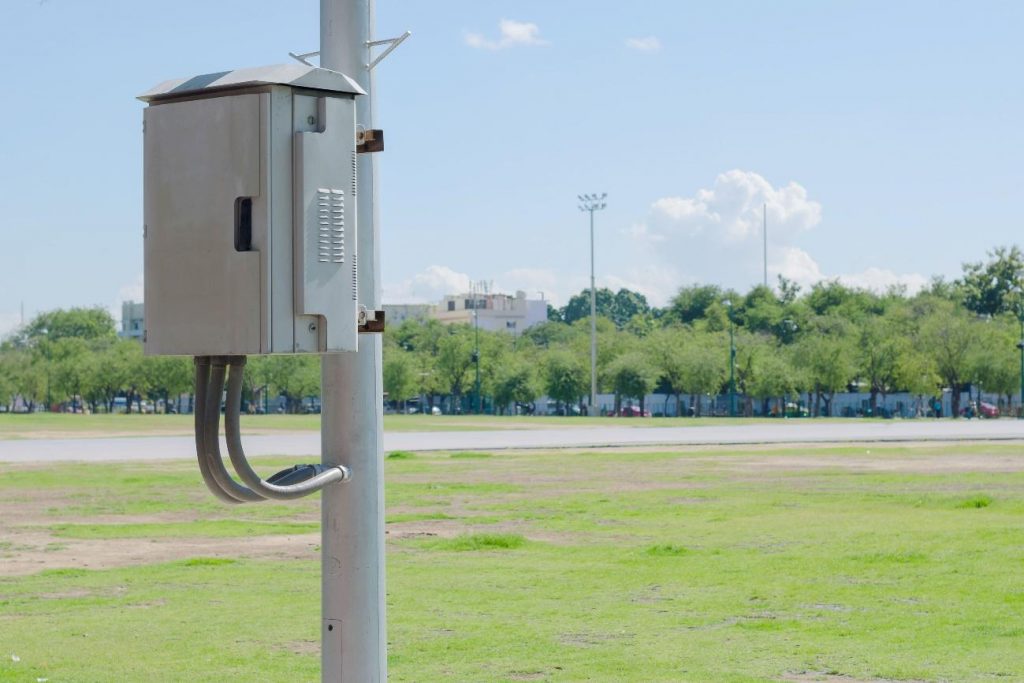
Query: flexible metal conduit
(202, 364)
(232, 428)
(210, 377)
(218, 370)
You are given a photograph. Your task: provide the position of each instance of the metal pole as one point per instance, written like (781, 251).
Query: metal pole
(765, 231)
(476, 357)
(1020, 345)
(591, 203)
(732, 369)
(353, 637)
(593, 323)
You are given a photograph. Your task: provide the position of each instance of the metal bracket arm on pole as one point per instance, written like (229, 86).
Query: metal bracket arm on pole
(304, 57)
(392, 43)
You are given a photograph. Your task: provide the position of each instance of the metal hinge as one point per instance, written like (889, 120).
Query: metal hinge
(371, 325)
(369, 141)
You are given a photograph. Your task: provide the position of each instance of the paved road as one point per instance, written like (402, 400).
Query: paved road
(308, 443)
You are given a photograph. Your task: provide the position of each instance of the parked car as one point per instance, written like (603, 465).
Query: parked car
(633, 411)
(988, 410)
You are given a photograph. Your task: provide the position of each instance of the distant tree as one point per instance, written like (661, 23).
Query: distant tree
(68, 357)
(789, 291)
(619, 307)
(833, 297)
(566, 377)
(761, 311)
(79, 323)
(631, 376)
(948, 338)
(666, 351)
(716, 318)
(641, 324)
(940, 288)
(918, 376)
(995, 360)
(399, 375)
(880, 353)
(749, 349)
(693, 301)
(516, 382)
(548, 334)
(775, 379)
(989, 287)
(705, 366)
(626, 306)
(7, 380)
(294, 377)
(578, 307)
(168, 377)
(828, 357)
(455, 361)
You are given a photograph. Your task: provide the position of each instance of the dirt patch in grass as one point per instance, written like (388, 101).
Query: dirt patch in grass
(124, 552)
(807, 677)
(885, 463)
(460, 498)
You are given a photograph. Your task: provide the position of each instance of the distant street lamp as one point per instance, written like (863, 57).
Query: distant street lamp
(1020, 345)
(732, 362)
(476, 353)
(591, 203)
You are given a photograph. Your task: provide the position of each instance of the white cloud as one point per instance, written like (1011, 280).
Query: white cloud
(732, 210)
(716, 234)
(648, 44)
(512, 33)
(712, 236)
(9, 323)
(879, 280)
(797, 265)
(794, 264)
(427, 286)
(657, 283)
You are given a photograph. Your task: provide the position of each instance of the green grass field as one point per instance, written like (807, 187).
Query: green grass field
(824, 563)
(55, 425)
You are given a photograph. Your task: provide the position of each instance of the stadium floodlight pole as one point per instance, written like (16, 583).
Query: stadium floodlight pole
(353, 638)
(591, 203)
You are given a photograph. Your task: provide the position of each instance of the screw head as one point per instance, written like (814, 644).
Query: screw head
(312, 327)
(311, 120)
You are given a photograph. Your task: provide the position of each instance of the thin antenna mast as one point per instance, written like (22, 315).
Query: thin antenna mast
(765, 232)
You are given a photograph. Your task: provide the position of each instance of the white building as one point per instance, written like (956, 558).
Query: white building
(494, 312)
(132, 320)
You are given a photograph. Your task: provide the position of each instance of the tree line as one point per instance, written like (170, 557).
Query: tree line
(958, 335)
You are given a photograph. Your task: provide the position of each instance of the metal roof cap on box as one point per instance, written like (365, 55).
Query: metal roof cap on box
(294, 75)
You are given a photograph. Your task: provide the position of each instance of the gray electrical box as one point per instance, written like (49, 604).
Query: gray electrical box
(250, 215)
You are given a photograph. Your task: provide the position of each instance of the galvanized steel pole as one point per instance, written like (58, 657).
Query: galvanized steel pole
(592, 203)
(353, 634)
(593, 324)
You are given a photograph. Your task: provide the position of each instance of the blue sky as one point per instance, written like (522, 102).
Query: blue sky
(885, 138)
